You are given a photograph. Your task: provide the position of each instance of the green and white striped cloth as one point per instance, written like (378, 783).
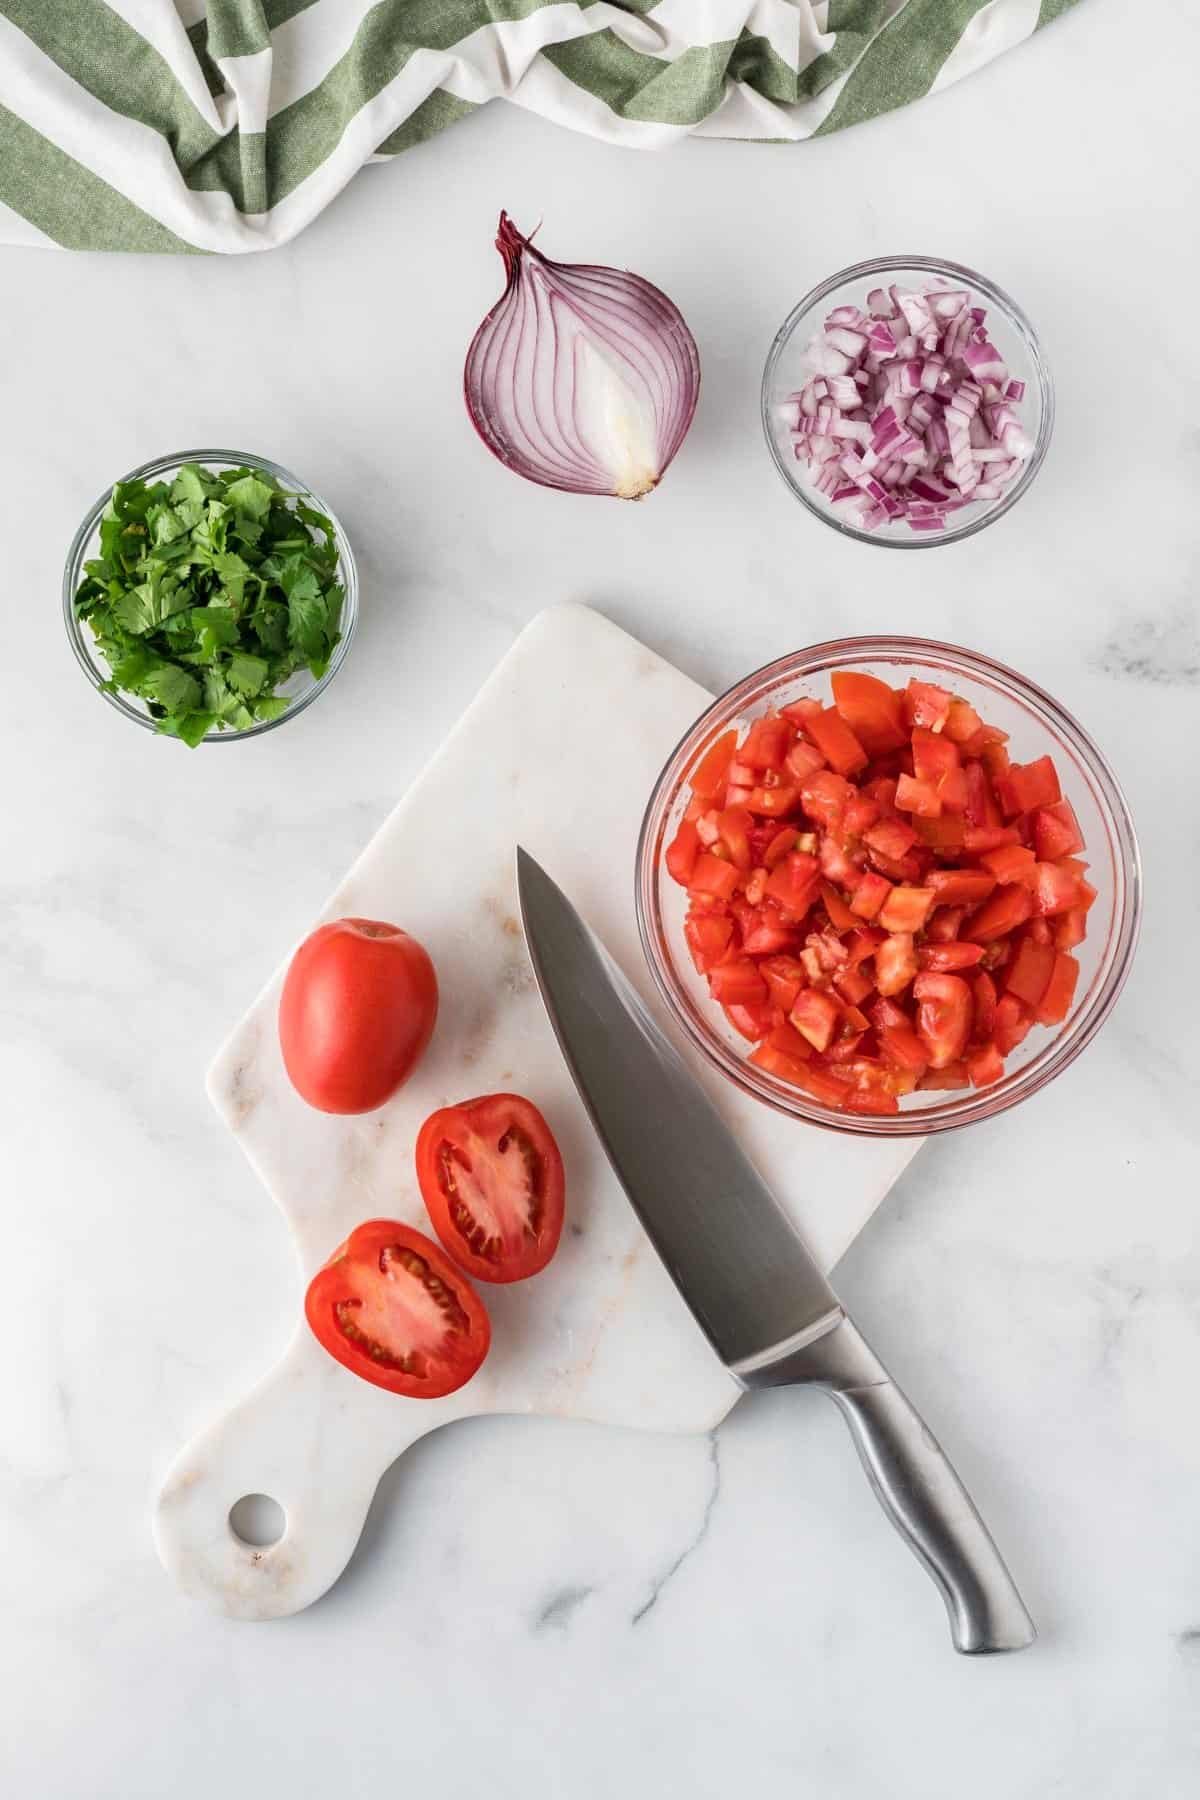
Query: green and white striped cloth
(226, 125)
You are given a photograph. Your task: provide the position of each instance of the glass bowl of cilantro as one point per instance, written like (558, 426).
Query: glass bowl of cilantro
(209, 596)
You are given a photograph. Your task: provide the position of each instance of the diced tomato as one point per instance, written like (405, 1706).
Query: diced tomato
(1008, 907)
(899, 1044)
(934, 756)
(781, 842)
(1011, 862)
(788, 1041)
(768, 935)
(946, 833)
(815, 1016)
(984, 1065)
(869, 895)
(682, 852)
(927, 705)
(766, 743)
(943, 957)
(793, 882)
(954, 1075)
(981, 808)
(1040, 930)
(773, 802)
(1028, 975)
(906, 909)
(840, 916)
(836, 742)
(952, 791)
(713, 875)
(1055, 1003)
(945, 925)
(737, 983)
(873, 711)
(891, 837)
(870, 1100)
(784, 977)
(1034, 784)
(962, 722)
(799, 712)
(733, 827)
(1056, 831)
(895, 963)
(774, 1062)
(917, 797)
(836, 863)
(863, 943)
(1012, 1023)
(1088, 895)
(896, 868)
(983, 993)
(824, 796)
(802, 759)
(853, 986)
(1070, 928)
(978, 838)
(943, 1016)
(995, 760)
(953, 887)
(752, 1022)
(822, 1086)
(860, 815)
(882, 789)
(1055, 890)
(711, 773)
(709, 937)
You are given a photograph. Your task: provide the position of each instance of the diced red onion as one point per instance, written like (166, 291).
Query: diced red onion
(908, 411)
(581, 377)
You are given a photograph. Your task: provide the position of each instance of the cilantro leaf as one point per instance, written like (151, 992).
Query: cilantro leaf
(247, 673)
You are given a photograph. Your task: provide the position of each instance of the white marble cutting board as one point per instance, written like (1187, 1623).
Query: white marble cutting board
(559, 751)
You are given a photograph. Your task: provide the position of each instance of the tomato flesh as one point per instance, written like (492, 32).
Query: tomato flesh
(881, 899)
(391, 1307)
(491, 1176)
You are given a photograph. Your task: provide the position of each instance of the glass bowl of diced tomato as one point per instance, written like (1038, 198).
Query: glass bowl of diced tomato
(888, 886)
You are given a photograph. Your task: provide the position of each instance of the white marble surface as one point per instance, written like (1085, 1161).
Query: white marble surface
(568, 1610)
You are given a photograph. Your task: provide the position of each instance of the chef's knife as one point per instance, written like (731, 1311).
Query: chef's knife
(758, 1296)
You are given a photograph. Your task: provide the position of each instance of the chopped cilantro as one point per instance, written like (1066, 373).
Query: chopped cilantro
(209, 592)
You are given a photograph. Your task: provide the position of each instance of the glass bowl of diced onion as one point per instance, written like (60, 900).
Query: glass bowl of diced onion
(907, 402)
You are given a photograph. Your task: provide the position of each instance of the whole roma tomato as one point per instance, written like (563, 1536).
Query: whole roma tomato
(390, 1307)
(358, 1007)
(492, 1179)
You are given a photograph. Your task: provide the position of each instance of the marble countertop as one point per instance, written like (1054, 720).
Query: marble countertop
(540, 1608)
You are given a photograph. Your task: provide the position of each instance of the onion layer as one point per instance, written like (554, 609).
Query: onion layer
(581, 378)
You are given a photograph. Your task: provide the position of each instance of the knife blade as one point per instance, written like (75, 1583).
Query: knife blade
(739, 1263)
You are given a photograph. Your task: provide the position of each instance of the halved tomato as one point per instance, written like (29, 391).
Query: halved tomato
(492, 1178)
(391, 1307)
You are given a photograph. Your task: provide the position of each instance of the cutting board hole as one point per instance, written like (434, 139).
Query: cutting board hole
(257, 1520)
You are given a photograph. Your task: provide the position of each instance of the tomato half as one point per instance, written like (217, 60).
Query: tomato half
(390, 1306)
(492, 1178)
(358, 1007)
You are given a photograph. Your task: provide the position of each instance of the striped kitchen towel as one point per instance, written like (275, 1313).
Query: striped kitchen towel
(224, 125)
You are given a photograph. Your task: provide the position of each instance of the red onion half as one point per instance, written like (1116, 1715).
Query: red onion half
(581, 378)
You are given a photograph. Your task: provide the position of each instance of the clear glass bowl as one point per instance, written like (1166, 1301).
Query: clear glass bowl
(1013, 336)
(301, 689)
(1037, 725)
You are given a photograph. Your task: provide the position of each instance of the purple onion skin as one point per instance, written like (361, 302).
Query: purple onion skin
(519, 397)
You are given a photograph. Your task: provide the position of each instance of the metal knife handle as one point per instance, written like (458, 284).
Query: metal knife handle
(918, 1489)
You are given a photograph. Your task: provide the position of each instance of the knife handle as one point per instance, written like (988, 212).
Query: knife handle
(919, 1491)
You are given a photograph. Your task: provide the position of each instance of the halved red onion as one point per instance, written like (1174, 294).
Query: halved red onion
(908, 410)
(581, 377)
